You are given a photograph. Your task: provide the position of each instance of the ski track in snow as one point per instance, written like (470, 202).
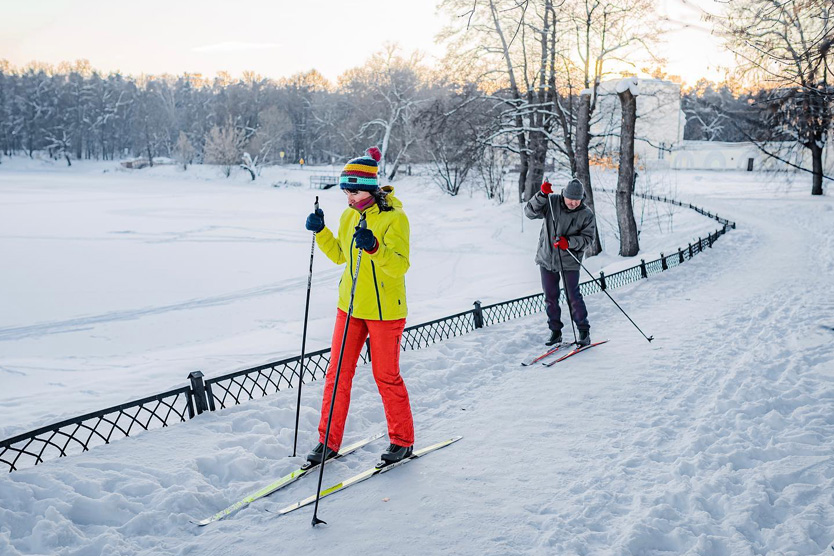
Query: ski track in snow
(82, 323)
(715, 439)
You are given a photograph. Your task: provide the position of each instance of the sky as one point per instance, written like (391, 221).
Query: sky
(274, 38)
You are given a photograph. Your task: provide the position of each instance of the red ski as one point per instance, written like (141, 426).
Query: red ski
(573, 352)
(548, 353)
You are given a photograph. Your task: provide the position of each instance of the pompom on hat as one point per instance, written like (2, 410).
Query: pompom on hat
(361, 173)
(574, 190)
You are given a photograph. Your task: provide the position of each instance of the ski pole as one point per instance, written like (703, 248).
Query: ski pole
(562, 274)
(304, 336)
(316, 520)
(648, 338)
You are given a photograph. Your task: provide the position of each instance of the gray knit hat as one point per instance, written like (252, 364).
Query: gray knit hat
(574, 190)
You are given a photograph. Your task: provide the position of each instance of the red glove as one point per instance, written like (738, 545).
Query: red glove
(561, 243)
(547, 188)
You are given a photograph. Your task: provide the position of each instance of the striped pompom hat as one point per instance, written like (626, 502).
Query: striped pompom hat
(361, 173)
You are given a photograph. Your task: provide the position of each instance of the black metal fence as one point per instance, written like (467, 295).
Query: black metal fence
(79, 434)
(324, 181)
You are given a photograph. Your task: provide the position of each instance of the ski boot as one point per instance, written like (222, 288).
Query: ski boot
(314, 457)
(584, 338)
(555, 338)
(395, 453)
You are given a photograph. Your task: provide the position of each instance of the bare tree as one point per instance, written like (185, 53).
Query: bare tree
(787, 45)
(273, 133)
(184, 151)
(224, 146)
(493, 167)
(451, 137)
(627, 91)
(605, 31)
(521, 38)
(386, 93)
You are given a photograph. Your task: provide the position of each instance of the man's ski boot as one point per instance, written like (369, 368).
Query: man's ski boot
(314, 457)
(584, 338)
(395, 453)
(555, 338)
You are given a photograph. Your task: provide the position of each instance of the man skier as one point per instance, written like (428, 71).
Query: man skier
(568, 225)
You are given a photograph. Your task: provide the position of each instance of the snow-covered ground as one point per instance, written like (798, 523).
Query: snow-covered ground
(714, 439)
(117, 283)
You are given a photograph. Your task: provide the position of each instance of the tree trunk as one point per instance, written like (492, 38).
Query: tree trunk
(629, 245)
(398, 161)
(522, 177)
(816, 160)
(582, 163)
(536, 160)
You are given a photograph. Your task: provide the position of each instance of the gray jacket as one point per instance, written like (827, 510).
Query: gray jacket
(577, 225)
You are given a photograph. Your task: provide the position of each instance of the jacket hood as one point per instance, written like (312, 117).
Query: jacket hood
(393, 201)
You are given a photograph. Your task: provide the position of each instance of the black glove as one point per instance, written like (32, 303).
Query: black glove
(315, 222)
(364, 239)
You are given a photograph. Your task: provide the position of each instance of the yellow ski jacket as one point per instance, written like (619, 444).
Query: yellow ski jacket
(380, 288)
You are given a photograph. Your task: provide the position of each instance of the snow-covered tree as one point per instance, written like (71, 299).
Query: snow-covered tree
(224, 146)
(184, 151)
(385, 94)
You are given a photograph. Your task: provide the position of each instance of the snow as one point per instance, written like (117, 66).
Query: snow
(628, 84)
(122, 282)
(713, 439)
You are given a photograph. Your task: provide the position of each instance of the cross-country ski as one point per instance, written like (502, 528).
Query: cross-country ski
(287, 479)
(378, 469)
(573, 352)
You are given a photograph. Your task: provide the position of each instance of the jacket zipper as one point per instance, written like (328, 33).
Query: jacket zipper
(376, 287)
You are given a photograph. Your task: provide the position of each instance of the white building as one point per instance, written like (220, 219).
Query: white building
(660, 120)
(659, 135)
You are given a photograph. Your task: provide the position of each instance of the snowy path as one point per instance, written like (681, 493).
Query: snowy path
(714, 439)
(119, 284)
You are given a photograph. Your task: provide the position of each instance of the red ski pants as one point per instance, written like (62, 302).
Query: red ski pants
(385, 360)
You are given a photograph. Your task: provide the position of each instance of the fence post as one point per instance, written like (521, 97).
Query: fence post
(478, 315)
(643, 268)
(663, 265)
(680, 256)
(602, 284)
(690, 251)
(198, 390)
(709, 240)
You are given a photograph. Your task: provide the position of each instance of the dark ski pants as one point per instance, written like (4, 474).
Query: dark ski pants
(550, 285)
(385, 362)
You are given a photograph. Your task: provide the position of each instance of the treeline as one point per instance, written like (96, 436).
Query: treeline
(74, 112)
